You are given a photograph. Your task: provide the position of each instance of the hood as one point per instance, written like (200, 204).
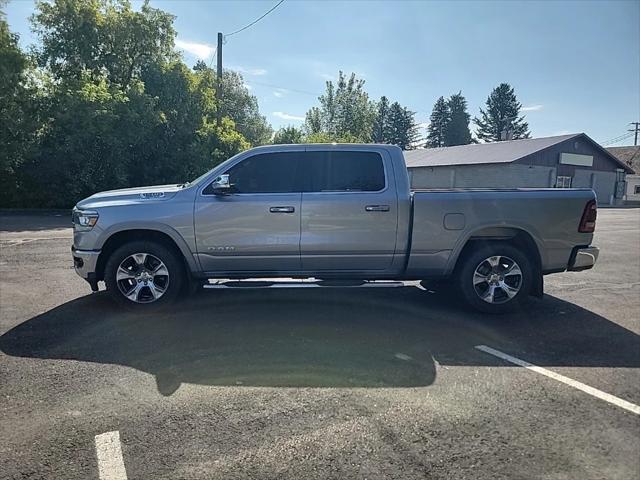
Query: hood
(128, 196)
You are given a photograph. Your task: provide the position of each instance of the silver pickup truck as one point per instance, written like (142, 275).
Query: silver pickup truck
(333, 213)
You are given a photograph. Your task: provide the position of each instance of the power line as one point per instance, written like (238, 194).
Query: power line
(256, 20)
(213, 55)
(314, 94)
(615, 138)
(221, 40)
(618, 139)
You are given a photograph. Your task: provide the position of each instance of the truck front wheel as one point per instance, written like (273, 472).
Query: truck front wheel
(496, 277)
(144, 275)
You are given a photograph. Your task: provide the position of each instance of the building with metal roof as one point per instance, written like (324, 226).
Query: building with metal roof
(630, 155)
(564, 161)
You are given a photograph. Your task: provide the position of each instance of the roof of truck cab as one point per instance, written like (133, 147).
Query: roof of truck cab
(497, 152)
(337, 146)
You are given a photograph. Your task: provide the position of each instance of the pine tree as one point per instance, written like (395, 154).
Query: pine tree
(502, 114)
(403, 130)
(438, 124)
(381, 122)
(457, 130)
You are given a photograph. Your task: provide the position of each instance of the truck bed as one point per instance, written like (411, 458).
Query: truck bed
(531, 189)
(445, 219)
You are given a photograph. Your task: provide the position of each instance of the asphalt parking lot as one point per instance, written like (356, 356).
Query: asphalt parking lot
(316, 383)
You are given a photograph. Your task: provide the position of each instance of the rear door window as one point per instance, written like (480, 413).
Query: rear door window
(342, 171)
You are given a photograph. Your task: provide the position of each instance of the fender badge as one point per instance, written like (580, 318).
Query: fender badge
(152, 195)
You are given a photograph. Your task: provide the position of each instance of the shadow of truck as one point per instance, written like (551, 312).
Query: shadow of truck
(320, 337)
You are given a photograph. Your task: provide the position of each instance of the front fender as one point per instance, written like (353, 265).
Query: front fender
(177, 238)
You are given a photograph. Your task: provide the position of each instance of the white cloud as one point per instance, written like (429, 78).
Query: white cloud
(258, 72)
(532, 108)
(280, 92)
(200, 50)
(288, 116)
(347, 72)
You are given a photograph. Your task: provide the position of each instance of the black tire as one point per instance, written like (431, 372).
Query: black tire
(477, 258)
(175, 279)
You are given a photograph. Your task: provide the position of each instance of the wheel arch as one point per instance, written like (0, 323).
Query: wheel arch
(516, 236)
(116, 239)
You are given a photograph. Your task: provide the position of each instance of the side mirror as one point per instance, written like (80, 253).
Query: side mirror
(221, 185)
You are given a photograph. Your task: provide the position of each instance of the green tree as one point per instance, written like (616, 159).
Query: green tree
(18, 114)
(501, 119)
(322, 137)
(242, 107)
(381, 132)
(238, 104)
(403, 130)
(101, 137)
(102, 37)
(289, 134)
(438, 123)
(109, 125)
(345, 110)
(457, 130)
(313, 121)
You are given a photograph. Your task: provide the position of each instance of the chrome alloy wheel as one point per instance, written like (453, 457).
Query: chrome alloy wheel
(142, 278)
(497, 279)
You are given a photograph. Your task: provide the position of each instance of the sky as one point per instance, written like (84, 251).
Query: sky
(575, 65)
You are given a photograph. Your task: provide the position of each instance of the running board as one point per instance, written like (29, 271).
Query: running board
(290, 283)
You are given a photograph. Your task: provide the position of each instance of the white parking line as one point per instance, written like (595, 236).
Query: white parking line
(561, 378)
(109, 451)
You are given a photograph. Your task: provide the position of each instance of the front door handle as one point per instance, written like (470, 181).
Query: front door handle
(282, 209)
(377, 208)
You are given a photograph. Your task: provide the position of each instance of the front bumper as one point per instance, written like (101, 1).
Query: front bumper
(583, 258)
(84, 262)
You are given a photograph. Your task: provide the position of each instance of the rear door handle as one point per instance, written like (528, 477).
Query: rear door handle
(282, 209)
(377, 208)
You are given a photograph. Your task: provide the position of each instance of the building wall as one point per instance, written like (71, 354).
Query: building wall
(510, 175)
(550, 157)
(633, 181)
(603, 183)
(482, 176)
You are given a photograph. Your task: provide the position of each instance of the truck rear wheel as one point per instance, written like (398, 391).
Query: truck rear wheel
(144, 275)
(496, 277)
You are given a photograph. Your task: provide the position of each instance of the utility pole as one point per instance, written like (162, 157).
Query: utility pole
(636, 130)
(219, 75)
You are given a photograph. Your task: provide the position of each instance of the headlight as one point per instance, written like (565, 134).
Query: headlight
(84, 219)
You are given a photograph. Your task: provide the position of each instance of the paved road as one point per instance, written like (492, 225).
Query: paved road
(316, 383)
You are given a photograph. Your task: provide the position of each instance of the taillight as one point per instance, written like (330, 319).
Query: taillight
(588, 220)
